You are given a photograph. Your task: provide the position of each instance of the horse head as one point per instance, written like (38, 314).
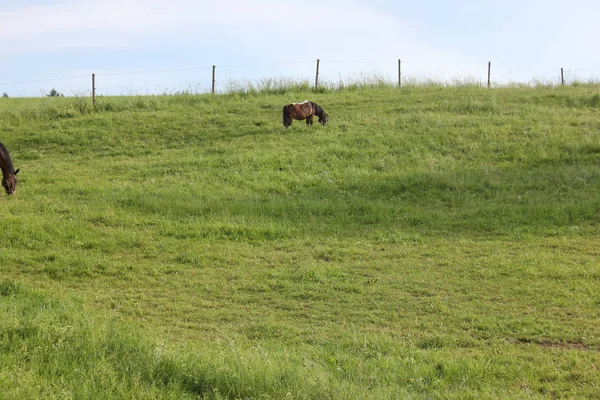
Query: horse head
(323, 118)
(9, 182)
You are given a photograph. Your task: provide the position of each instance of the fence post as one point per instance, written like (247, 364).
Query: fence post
(562, 77)
(317, 75)
(489, 74)
(399, 73)
(212, 91)
(93, 90)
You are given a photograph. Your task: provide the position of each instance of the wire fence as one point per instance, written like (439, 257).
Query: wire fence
(330, 73)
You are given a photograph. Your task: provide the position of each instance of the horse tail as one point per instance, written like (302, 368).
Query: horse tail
(286, 117)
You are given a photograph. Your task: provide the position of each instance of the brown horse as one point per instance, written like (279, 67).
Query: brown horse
(9, 175)
(305, 110)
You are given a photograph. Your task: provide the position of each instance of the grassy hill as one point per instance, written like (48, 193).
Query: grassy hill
(428, 242)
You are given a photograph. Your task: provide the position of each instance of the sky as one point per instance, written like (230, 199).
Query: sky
(155, 47)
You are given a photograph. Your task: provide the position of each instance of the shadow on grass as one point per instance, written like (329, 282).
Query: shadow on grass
(462, 202)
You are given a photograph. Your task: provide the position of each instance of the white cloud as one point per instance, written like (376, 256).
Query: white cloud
(285, 28)
(224, 32)
(270, 31)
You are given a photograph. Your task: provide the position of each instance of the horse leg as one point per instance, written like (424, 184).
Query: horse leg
(309, 120)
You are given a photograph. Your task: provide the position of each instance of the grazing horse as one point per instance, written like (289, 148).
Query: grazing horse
(305, 110)
(9, 175)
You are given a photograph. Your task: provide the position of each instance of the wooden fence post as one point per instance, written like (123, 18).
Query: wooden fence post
(489, 74)
(212, 91)
(399, 73)
(94, 90)
(317, 75)
(562, 77)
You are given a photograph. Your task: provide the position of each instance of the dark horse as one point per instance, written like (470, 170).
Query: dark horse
(9, 175)
(305, 110)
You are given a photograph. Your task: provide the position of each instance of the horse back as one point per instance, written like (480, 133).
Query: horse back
(305, 109)
(5, 161)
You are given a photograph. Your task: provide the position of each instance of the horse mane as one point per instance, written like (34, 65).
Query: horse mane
(318, 109)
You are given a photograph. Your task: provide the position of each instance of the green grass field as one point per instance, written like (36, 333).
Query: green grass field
(429, 242)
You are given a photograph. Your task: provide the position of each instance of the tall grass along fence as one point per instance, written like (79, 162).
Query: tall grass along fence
(562, 76)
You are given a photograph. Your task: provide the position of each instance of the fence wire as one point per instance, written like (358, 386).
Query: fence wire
(412, 70)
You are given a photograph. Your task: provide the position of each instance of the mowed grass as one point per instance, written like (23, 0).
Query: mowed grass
(437, 242)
